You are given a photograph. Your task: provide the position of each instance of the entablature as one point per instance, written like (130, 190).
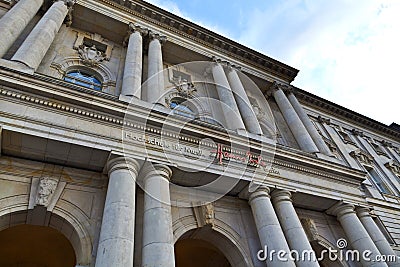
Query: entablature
(108, 112)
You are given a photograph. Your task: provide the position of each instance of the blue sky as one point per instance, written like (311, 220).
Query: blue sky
(346, 51)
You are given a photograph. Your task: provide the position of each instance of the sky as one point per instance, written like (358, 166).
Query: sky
(346, 50)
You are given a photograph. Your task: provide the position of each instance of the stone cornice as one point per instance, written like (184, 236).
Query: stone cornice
(194, 32)
(346, 114)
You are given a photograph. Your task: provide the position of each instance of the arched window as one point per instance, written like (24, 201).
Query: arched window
(83, 79)
(179, 108)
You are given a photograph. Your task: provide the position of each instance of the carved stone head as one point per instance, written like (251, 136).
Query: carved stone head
(47, 186)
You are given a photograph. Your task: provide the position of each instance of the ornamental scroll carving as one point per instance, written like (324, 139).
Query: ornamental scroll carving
(45, 191)
(363, 157)
(394, 167)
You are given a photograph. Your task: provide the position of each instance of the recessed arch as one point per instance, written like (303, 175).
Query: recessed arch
(63, 221)
(28, 245)
(66, 64)
(210, 241)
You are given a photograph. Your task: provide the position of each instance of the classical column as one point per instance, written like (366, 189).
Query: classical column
(230, 109)
(155, 81)
(316, 137)
(292, 227)
(268, 227)
(116, 241)
(300, 133)
(15, 20)
(243, 102)
(376, 234)
(358, 237)
(35, 46)
(158, 241)
(132, 80)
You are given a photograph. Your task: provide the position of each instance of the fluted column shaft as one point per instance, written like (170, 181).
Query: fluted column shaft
(158, 241)
(39, 40)
(229, 108)
(132, 80)
(116, 243)
(155, 82)
(243, 102)
(376, 234)
(14, 22)
(268, 227)
(300, 133)
(316, 137)
(291, 226)
(358, 237)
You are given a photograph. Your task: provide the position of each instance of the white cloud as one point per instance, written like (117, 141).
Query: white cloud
(172, 7)
(347, 52)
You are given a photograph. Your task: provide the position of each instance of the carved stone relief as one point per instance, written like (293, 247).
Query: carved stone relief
(363, 157)
(93, 47)
(46, 189)
(310, 228)
(205, 215)
(90, 55)
(394, 167)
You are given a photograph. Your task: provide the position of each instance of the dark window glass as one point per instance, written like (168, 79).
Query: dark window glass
(83, 79)
(181, 109)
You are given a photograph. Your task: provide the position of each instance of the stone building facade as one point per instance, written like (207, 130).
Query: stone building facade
(132, 137)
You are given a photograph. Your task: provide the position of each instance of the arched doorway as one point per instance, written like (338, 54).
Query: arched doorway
(198, 253)
(35, 246)
(45, 234)
(203, 247)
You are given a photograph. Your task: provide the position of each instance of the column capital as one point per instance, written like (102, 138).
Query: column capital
(233, 67)
(363, 212)
(137, 28)
(324, 120)
(68, 3)
(157, 36)
(340, 209)
(157, 169)
(123, 163)
(261, 191)
(276, 86)
(279, 195)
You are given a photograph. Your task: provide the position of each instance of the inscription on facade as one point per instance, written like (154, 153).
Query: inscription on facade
(221, 154)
